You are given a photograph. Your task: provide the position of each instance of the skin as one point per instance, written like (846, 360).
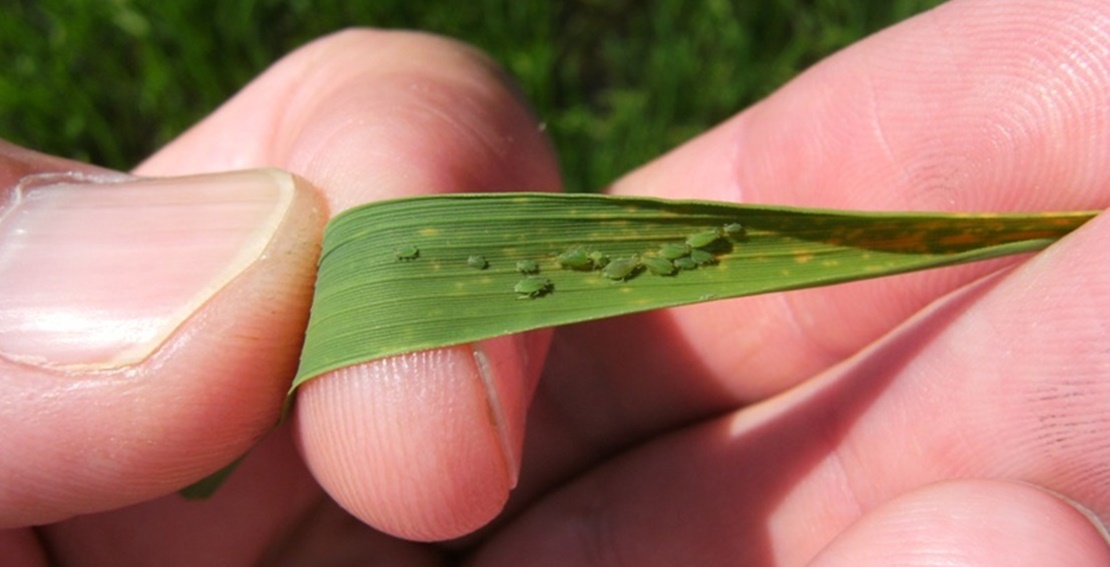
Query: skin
(954, 416)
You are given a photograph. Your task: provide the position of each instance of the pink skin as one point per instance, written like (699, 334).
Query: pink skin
(954, 414)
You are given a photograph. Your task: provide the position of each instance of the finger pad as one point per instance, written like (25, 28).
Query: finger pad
(407, 444)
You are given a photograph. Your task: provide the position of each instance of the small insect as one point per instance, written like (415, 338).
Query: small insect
(622, 268)
(407, 253)
(478, 262)
(703, 239)
(686, 263)
(575, 259)
(532, 287)
(598, 259)
(527, 266)
(673, 250)
(658, 266)
(702, 257)
(734, 229)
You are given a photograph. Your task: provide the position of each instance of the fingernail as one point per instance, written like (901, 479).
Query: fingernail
(1090, 514)
(96, 272)
(503, 365)
(498, 418)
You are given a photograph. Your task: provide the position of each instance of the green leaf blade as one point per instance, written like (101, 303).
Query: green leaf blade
(371, 303)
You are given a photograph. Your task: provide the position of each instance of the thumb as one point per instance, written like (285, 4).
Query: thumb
(148, 327)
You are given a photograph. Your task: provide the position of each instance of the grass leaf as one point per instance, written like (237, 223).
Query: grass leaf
(425, 272)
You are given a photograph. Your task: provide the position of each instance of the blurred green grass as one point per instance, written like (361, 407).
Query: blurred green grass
(616, 82)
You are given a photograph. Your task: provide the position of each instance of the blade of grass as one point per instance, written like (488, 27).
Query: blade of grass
(401, 275)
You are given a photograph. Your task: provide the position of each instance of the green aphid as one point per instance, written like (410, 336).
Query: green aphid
(478, 262)
(734, 229)
(407, 253)
(702, 257)
(532, 287)
(527, 266)
(598, 259)
(575, 259)
(658, 265)
(622, 268)
(704, 239)
(674, 250)
(686, 262)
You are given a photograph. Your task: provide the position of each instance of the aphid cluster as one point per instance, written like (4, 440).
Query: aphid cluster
(667, 260)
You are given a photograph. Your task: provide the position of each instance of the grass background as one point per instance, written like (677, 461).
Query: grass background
(617, 82)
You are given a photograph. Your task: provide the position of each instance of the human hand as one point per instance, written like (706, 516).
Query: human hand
(767, 430)
(161, 398)
(944, 417)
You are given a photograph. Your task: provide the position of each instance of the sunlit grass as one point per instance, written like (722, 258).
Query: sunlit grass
(616, 82)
